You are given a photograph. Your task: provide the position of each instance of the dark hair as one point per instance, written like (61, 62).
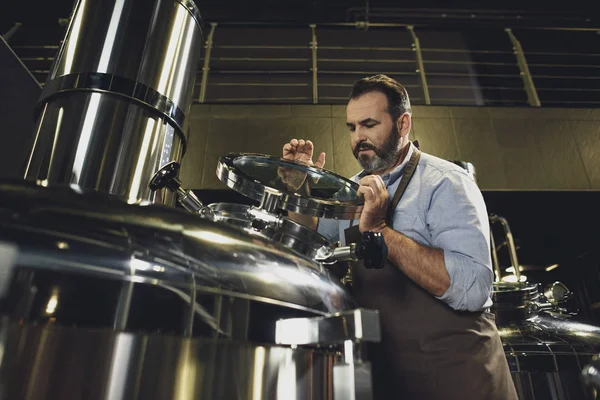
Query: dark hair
(397, 96)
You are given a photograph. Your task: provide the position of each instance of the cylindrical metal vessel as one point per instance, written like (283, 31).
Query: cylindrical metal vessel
(546, 350)
(110, 300)
(48, 362)
(108, 118)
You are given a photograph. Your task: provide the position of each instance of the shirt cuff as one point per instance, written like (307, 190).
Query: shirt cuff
(468, 290)
(455, 294)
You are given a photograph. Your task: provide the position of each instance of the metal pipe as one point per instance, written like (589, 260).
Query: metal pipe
(313, 46)
(512, 251)
(420, 65)
(532, 95)
(388, 25)
(206, 67)
(495, 262)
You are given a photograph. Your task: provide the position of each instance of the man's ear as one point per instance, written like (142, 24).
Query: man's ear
(403, 124)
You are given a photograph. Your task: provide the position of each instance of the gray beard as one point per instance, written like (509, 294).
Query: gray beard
(385, 157)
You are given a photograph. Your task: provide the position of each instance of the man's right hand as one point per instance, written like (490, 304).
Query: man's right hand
(302, 150)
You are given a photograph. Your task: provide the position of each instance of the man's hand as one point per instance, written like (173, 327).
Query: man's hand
(374, 212)
(302, 150)
(292, 178)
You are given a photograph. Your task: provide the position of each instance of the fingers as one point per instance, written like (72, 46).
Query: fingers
(367, 192)
(320, 161)
(299, 149)
(375, 182)
(288, 150)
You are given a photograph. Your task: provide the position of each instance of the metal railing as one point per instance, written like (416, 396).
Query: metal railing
(317, 64)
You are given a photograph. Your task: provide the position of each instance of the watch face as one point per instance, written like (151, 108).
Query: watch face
(302, 188)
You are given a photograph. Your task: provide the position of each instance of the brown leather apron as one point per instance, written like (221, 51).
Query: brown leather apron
(428, 350)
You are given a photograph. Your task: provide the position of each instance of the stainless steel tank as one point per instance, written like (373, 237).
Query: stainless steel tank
(545, 346)
(110, 300)
(113, 108)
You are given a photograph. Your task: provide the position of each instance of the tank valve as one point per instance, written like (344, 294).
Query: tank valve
(167, 177)
(372, 250)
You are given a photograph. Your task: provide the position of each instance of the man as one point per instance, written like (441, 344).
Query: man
(439, 340)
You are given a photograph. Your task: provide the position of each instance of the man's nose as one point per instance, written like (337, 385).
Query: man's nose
(359, 134)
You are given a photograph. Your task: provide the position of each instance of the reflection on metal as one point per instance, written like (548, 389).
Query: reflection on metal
(591, 373)
(305, 189)
(546, 355)
(313, 46)
(360, 325)
(163, 251)
(167, 177)
(104, 364)
(512, 251)
(351, 375)
(420, 65)
(532, 96)
(545, 348)
(495, 261)
(295, 236)
(109, 118)
(206, 67)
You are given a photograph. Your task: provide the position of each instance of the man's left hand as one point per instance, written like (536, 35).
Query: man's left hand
(376, 203)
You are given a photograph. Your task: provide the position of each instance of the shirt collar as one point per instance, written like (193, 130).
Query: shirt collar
(392, 176)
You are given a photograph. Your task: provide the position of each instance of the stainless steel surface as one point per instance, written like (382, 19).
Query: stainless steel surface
(283, 230)
(46, 362)
(495, 261)
(270, 200)
(547, 354)
(166, 177)
(206, 67)
(591, 373)
(546, 349)
(117, 151)
(528, 83)
(512, 251)
(416, 45)
(352, 382)
(360, 325)
(91, 235)
(314, 70)
(351, 375)
(320, 193)
(115, 102)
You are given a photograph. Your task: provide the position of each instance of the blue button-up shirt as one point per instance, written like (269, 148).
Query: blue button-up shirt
(443, 208)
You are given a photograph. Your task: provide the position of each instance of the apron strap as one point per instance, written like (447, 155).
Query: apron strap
(409, 171)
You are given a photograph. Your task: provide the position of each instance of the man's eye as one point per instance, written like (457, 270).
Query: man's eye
(370, 126)
(352, 128)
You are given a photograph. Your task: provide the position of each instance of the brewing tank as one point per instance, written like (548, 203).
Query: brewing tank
(114, 105)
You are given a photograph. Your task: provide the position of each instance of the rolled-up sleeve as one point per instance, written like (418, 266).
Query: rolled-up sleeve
(458, 222)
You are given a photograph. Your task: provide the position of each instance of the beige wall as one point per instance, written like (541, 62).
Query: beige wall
(511, 148)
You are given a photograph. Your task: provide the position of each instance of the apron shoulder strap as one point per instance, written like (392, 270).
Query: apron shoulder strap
(409, 171)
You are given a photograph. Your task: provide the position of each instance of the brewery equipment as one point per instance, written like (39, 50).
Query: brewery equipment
(106, 291)
(545, 349)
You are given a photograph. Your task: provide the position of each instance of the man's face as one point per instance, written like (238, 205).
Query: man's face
(374, 136)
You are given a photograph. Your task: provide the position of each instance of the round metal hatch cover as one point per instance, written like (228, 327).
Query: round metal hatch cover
(303, 189)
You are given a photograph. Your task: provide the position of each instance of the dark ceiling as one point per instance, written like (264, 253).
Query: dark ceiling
(42, 11)
(40, 18)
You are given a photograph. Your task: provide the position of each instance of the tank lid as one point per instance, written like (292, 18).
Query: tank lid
(96, 235)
